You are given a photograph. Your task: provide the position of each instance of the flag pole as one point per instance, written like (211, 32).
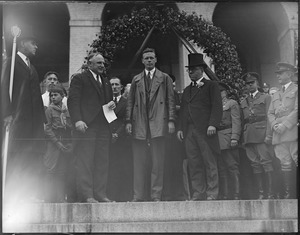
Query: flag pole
(16, 31)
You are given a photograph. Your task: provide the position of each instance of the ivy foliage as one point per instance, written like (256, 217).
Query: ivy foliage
(116, 34)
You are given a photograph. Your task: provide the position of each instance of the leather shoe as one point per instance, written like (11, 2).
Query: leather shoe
(105, 199)
(91, 200)
(195, 199)
(209, 198)
(136, 200)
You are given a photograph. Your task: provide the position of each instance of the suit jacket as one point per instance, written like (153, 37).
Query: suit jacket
(86, 99)
(118, 125)
(256, 108)
(284, 109)
(161, 105)
(26, 106)
(204, 107)
(230, 124)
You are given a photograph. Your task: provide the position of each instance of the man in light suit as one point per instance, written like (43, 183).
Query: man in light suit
(89, 91)
(200, 115)
(25, 115)
(150, 115)
(283, 116)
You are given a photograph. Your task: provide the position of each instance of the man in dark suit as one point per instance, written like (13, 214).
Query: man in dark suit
(150, 115)
(89, 91)
(200, 115)
(25, 115)
(120, 161)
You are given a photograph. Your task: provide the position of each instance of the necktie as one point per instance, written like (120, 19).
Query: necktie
(28, 62)
(194, 83)
(98, 80)
(115, 100)
(148, 79)
(283, 88)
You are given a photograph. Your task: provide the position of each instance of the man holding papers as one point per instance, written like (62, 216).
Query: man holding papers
(89, 92)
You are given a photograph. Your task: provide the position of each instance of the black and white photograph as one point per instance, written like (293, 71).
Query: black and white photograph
(149, 117)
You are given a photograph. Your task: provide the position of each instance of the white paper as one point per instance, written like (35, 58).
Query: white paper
(109, 113)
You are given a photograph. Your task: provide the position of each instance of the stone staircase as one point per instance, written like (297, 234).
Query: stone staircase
(181, 216)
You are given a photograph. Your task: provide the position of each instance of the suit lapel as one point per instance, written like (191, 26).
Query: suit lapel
(140, 84)
(156, 81)
(198, 90)
(22, 63)
(93, 81)
(120, 105)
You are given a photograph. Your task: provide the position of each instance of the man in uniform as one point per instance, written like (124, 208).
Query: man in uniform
(257, 134)
(229, 134)
(283, 117)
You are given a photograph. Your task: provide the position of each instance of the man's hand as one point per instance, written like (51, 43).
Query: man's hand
(81, 126)
(211, 130)
(171, 127)
(280, 128)
(233, 143)
(180, 135)
(61, 147)
(7, 121)
(111, 105)
(128, 128)
(268, 140)
(114, 137)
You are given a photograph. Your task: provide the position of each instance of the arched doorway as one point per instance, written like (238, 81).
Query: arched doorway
(50, 22)
(253, 28)
(166, 46)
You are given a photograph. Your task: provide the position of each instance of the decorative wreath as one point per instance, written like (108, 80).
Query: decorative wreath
(116, 34)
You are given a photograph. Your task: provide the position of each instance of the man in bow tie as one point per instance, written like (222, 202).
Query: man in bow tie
(283, 117)
(200, 115)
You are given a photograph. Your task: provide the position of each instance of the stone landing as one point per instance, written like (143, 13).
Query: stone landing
(202, 216)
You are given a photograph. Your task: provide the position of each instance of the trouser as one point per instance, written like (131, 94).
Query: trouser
(202, 164)
(140, 150)
(287, 153)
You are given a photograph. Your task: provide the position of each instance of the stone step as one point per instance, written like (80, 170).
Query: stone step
(233, 226)
(256, 215)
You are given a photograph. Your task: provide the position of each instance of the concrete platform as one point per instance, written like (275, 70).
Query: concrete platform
(202, 216)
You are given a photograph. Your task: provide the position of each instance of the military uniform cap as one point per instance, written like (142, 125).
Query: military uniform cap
(283, 66)
(250, 77)
(223, 86)
(266, 85)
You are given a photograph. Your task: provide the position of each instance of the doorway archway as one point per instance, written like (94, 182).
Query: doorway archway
(50, 22)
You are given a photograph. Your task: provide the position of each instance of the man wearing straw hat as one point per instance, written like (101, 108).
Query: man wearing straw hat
(25, 115)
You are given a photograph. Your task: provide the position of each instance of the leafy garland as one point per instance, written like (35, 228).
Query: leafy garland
(118, 32)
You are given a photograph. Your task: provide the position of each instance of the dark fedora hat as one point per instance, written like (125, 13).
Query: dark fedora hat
(27, 33)
(283, 66)
(223, 86)
(196, 59)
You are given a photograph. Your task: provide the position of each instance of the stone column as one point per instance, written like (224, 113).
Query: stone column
(85, 23)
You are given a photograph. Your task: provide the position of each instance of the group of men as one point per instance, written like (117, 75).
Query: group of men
(210, 125)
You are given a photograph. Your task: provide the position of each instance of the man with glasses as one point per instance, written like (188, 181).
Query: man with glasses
(200, 115)
(283, 117)
(257, 134)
